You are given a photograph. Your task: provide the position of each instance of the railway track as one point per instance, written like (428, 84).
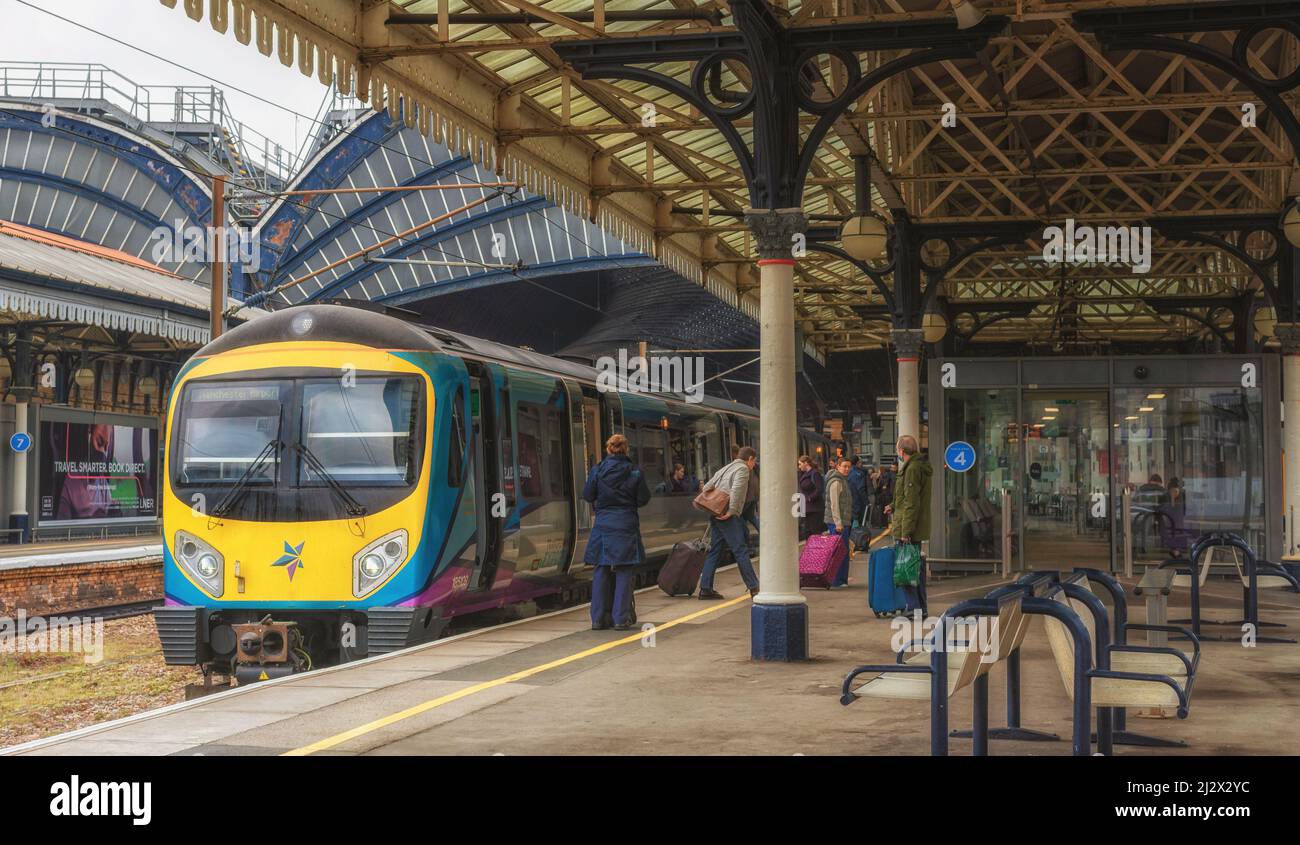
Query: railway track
(105, 612)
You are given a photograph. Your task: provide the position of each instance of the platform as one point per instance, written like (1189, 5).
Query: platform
(79, 551)
(549, 685)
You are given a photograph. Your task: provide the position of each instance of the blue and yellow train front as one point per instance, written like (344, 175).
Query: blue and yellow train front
(297, 515)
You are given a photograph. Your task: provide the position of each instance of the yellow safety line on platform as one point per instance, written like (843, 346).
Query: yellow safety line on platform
(338, 739)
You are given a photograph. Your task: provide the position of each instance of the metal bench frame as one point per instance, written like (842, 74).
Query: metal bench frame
(1085, 671)
(938, 672)
(1250, 590)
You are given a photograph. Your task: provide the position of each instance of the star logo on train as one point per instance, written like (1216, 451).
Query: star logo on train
(291, 558)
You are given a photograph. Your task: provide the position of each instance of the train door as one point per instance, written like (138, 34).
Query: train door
(485, 473)
(544, 484)
(612, 417)
(507, 471)
(579, 452)
(729, 435)
(591, 446)
(592, 431)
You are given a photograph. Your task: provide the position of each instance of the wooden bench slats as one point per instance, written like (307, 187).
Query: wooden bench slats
(1126, 692)
(1149, 664)
(963, 666)
(1115, 692)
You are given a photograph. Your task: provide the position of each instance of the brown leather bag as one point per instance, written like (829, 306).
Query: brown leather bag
(713, 500)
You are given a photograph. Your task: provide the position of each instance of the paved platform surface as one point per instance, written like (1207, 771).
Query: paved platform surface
(549, 685)
(79, 551)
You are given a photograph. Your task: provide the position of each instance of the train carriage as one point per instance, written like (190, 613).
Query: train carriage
(340, 482)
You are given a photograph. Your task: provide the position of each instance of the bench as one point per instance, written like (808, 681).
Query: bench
(1157, 658)
(1109, 676)
(1030, 584)
(1036, 583)
(1156, 585)
(1254, 574)
(952, 666)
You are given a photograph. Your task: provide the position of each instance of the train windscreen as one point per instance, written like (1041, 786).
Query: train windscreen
(362, 432)
(227, 429)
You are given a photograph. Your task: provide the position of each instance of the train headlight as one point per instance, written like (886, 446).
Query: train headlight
(372, 565)
(208, 565)
(376, 562)
(204, 563)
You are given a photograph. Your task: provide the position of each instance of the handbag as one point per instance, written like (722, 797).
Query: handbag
(713, 500)
(907, 564)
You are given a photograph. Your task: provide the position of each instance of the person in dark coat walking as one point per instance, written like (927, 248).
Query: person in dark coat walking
(615, 488)
(810, 485)
(858, 491)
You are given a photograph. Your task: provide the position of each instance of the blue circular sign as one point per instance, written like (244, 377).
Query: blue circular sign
(20, 442)
(959, 456)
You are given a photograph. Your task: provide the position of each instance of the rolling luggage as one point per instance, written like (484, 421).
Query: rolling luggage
(860, 538)
(885, 599)
(681, 572)
(820, 560)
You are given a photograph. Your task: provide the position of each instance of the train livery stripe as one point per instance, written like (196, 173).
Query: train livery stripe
(370, 727)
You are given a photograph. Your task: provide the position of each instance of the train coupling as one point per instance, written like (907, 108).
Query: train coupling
(268, 649)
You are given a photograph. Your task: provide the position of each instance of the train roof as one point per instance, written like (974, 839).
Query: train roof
(365, 324)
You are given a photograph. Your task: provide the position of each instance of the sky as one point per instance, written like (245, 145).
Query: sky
(28, 35)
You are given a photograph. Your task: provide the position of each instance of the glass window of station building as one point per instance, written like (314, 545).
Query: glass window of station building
(1114, 463)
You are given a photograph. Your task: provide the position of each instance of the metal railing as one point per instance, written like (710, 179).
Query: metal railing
(70, 533)
(181, 109)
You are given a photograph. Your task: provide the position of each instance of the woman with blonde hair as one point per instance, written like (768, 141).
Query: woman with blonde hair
(615, 488)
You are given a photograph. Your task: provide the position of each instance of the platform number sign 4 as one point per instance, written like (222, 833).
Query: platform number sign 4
(20, 442)
(959, 456)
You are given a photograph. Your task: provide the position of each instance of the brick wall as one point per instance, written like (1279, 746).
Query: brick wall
(51, 590)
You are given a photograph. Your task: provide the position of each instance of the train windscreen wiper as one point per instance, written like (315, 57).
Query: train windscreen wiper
(236, 492)
(354, 507)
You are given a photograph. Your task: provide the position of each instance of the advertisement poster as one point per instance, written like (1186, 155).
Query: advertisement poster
(97, 471)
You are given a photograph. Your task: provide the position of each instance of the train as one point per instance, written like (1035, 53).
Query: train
(341, 482)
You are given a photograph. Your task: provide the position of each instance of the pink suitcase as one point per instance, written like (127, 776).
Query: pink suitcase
(820, 560)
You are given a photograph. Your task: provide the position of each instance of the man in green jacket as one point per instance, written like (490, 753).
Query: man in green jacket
(911, 506)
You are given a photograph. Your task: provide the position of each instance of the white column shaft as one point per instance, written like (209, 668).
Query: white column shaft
(18, 488)
(779, 537)
(909, 398)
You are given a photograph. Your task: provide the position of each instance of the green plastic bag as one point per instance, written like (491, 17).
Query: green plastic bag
(907, 564)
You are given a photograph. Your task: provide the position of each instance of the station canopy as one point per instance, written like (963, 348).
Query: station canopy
(1054, 123)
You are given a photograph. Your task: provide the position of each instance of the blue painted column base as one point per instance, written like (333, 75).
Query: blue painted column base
(18, 523)
(779, 632)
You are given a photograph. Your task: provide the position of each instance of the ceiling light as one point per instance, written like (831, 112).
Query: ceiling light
(1146, 409)
(1049, 418)
(1051, 410)
(1130, 419)
(865, 237)
(968, 14)
(1155, 396)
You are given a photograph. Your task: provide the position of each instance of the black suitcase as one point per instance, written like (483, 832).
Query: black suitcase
(681, 572)
(860, 539)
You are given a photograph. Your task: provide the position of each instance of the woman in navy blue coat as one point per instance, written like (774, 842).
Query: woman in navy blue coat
(615, 489)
